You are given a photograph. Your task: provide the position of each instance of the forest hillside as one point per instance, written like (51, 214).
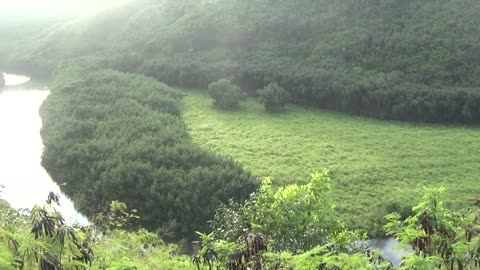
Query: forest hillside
(405, 60)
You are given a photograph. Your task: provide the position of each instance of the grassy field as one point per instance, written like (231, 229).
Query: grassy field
(374, 164)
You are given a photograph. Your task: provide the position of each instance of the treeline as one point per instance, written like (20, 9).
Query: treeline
(408, 60)
(380, 95)
(110, 135)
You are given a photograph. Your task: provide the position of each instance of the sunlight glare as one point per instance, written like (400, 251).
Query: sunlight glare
(54, 7)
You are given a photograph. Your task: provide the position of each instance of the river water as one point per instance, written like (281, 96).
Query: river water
(390, 249)
(25, 181)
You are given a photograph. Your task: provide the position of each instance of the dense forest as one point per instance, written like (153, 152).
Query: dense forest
(405, 60)
(115, 136)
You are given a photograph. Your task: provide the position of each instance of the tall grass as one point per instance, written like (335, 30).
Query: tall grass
(376, 166)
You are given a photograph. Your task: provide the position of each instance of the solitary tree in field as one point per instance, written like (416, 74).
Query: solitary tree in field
(273, 97)
(225, 94)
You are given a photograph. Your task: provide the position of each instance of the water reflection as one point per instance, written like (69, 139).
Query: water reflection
(26, 181)
(13, 79)
(390, 248)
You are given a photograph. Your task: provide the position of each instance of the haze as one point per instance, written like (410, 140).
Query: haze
(53, 7)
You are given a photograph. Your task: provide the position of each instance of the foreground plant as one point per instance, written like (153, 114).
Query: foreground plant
(297, 217)
(40, 239)
(290, 227)
(47, 241)
(439, 237)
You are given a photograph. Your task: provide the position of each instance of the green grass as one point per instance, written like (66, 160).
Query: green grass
(373, 163)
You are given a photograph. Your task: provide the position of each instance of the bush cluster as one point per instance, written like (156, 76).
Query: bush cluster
(225, 95)
(273, 97)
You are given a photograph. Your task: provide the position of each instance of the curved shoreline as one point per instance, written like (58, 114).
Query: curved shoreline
(26, 181)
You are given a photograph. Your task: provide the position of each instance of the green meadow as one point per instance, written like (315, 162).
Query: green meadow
(376, 166)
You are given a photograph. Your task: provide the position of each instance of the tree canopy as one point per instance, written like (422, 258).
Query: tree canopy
(404, 60)
(273, 97)
(225, 95)
(115, 136)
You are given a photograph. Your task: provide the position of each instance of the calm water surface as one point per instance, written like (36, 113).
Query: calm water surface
(26, 181)
(390, 249)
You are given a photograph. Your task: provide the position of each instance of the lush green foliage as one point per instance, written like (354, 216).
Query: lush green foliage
(405, 60)
(273, 97)
(110, 135)
(272, 225)
(377, 167)
(41, 239)
(106, 245)
(225, 95)
(440, 237)
(297, 217)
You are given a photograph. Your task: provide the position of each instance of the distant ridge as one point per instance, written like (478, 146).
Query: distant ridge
(404, 60)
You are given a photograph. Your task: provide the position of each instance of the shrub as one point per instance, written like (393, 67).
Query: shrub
(296, 217)
(225, 94)
(273, 97)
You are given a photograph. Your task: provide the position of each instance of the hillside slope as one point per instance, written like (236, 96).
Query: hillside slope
(406, 60)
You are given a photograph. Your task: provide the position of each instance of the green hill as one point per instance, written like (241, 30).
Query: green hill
(405, 60)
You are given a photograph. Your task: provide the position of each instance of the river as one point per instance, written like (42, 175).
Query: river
(25, 181)
(390, 249)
